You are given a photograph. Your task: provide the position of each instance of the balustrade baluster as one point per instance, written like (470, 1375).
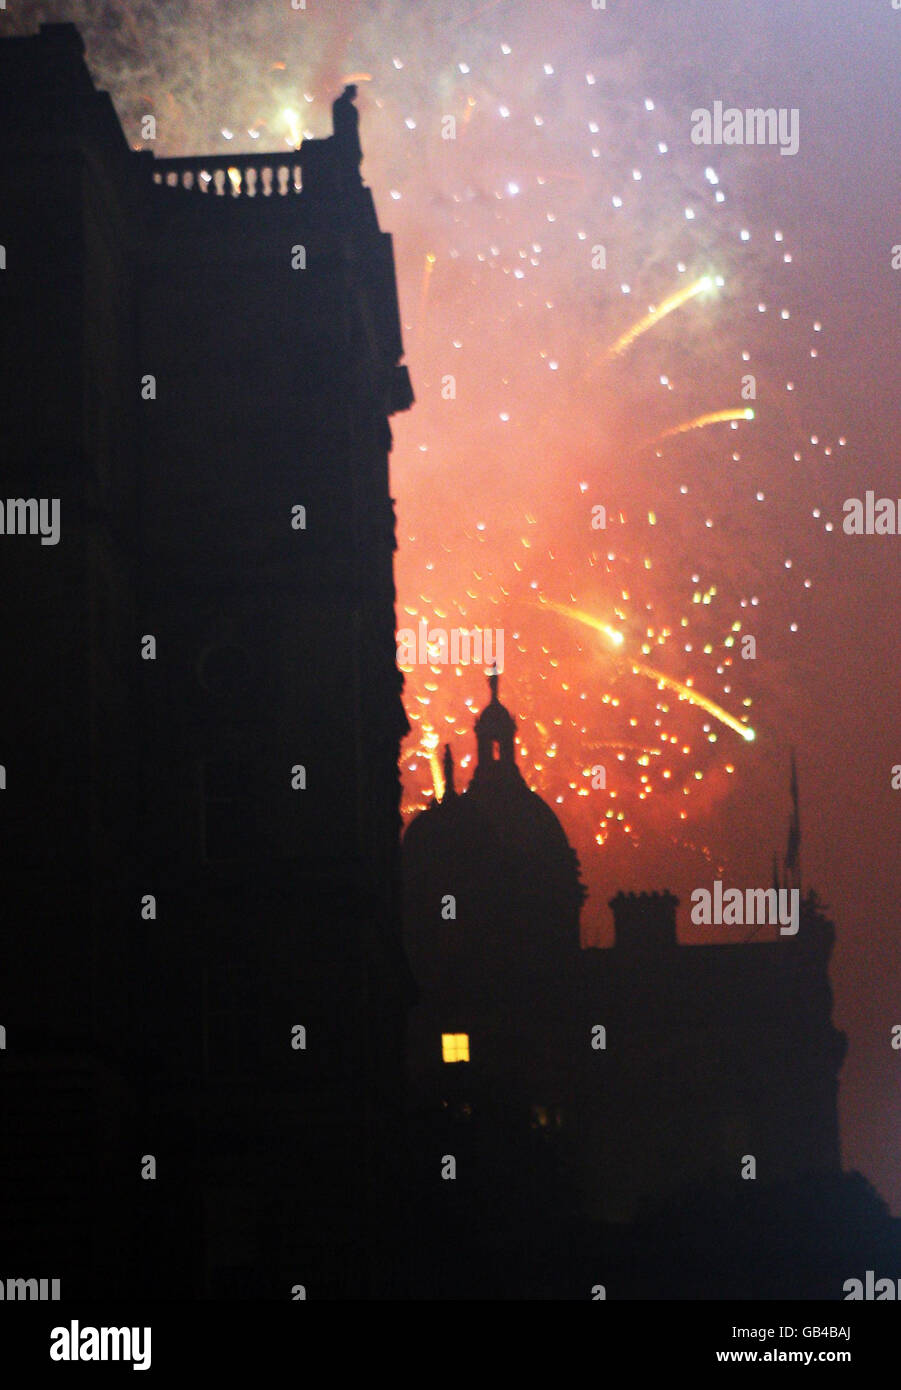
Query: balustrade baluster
(256, 176)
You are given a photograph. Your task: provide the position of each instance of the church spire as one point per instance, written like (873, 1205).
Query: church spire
(495, 730)
(449, 788)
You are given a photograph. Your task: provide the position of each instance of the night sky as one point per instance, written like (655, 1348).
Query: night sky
(573, 131)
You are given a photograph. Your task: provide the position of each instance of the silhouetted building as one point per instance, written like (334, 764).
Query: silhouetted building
(651, 1068)
(493, 894)
(204, 959)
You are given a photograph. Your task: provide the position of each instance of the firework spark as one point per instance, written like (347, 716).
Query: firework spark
(656, 315)
(713, 417)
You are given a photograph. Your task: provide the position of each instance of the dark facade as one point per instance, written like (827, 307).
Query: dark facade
(200, 740)
(649, 1069)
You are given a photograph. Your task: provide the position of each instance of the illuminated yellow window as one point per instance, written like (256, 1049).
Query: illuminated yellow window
(455, 1047)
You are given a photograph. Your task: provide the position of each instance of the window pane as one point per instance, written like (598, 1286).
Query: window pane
(455, 1047)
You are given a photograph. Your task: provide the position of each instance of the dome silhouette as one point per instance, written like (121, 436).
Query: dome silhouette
(497, 848)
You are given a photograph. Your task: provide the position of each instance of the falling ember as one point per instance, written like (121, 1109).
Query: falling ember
(685, 692)
(429, 745)
(700, 422)
(612, 633)
(426, 283)
(675, 301)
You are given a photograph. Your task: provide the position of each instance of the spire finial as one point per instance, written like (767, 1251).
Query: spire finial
(493, 679)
